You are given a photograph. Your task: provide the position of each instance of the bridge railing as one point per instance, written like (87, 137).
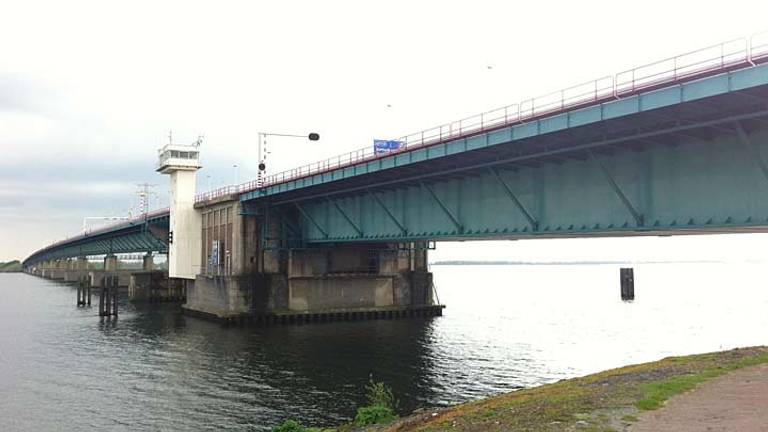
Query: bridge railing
(758, 48)
(105, 228)
(715, 58)
(733, 54)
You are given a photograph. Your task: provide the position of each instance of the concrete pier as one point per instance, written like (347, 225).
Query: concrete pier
(153, 286)
(123, 277)
(242, 276)
(110, 263)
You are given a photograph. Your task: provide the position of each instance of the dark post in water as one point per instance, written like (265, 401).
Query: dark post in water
(627, 276)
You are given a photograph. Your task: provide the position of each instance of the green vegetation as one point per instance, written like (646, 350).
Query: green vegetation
(606, 401)
(381, 410)
(382, 405)
(379, 394)
(603, 402)
(374, 414)
(10, 267)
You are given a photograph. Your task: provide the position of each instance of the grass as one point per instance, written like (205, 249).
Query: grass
(598, 403)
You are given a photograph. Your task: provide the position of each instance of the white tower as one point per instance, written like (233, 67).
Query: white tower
(181, 162)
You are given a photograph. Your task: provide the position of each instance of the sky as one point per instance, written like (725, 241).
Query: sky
(89, 90)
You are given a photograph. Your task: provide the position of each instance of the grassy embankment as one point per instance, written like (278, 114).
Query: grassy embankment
(606, 401)
(10, 267)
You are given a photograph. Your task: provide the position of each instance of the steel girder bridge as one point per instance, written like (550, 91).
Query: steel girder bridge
(676, 147)
(144, 234)
(680, 151)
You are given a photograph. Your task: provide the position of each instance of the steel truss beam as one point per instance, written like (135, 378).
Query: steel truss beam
(346, 216)
(501, 162)
(392, 217)
(756, 156)
(617, 190)
(531, 220)
(444, 208)
(310, 219)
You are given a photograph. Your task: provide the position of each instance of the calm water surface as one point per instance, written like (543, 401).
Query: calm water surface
(506, 327)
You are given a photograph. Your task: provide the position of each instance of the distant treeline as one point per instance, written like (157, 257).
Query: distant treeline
(9, 267)
(568, 262)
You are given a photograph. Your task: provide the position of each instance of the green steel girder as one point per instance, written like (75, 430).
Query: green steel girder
(626, 110)
(133, 239)
(444, 207)
(617, 190)
(531, 220)
(389, 214)
(681, 184)
(311, 219)
(756, 156)
(346, 217)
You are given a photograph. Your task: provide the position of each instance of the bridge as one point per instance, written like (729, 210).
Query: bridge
(675, 147)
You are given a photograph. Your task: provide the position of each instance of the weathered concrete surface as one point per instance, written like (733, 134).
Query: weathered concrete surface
(340, 292)
(71, 276)
(110, 263)
(237, 277)
(219, 296)
(123, 277)
(148, 262)
(152, 286)
(56, 274)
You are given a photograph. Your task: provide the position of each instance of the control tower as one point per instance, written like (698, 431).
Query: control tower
(181, 162)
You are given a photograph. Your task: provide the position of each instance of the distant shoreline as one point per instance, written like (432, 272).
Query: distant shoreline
(548, 263)
(10, 267)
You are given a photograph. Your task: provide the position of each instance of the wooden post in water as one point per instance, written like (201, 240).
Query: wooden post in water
(102, 298)
(83, 292)
(627, 276)
(114, 295)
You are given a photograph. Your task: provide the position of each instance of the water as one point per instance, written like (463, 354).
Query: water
(505, 327)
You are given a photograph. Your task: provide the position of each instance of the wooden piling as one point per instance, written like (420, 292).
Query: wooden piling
(114, 295)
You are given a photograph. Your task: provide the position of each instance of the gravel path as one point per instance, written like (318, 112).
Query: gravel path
(737, 401)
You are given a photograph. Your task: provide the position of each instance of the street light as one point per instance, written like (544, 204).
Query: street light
(237, 174)
(263, 151)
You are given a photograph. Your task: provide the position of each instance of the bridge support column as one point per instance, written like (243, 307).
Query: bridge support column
(148, 262)
(251, 270)
(153, 286)
(373, 280)
(58, 270)
(110, 263)
(81, 263)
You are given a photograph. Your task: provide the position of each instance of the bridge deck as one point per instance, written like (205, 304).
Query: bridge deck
(723, 68)
(630, 108)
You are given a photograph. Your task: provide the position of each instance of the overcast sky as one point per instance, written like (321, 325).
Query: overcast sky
(89, 90)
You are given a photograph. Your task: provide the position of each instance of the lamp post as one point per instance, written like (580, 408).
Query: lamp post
(237, 174)
(263, 151)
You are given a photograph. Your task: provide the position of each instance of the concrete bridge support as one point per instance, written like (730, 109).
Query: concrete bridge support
(148, 262)
(154, 286)
(56, 270)
(110, 263)
(251, 277)
(123, 277)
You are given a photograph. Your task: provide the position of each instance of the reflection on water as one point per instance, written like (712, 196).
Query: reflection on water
(505, 327)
